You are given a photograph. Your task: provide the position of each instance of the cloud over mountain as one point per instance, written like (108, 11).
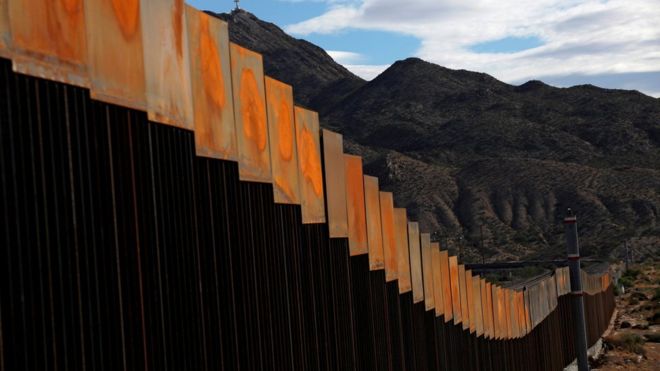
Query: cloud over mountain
(592, 39)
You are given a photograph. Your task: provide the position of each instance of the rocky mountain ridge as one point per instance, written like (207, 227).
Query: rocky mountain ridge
(481, 162)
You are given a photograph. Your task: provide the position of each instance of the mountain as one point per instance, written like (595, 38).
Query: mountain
(317, 79)
(471, 156)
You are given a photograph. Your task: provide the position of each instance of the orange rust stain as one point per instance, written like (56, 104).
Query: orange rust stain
(388, 230)
(389, 237)
(211, 66)
(310, 163)
(486, 310)
(177, 25)
(283, 184)
(253, 110)
(285, 130)
(355, 197)
(71, 6)
(60, 31)
(455, 287)
(127, 13)
(359, 214)
(446, 285)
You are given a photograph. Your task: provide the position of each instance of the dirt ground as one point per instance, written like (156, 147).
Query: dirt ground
(633, 341)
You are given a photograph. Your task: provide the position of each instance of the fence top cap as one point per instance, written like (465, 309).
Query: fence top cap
(570, 216)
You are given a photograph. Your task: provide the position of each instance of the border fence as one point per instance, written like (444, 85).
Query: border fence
(167, 206)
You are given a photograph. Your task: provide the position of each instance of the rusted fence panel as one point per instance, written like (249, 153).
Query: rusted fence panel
(437, 279)
(114, 52)
(335, 183)
(403, 256)
(5, 34)
(309, 165)
(455, 290)
(283, 148)
(465, 311)
(374, 227)
(250, 115)
(528, 314)
(471, 302)
(478, 306)
(563, 281)
(446, 286)
(48, 39)
(499, 322)
(552, 294)
(357, 222)
(427, 271)
(415, 262)
(490, 310)
(513, 324)
(167, 71)
(535, 310)
(210, 84)
(390, 253)
(524, 315)
(487, 313)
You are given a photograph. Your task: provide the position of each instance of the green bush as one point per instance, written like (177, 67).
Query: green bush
(632, 343)
(627, 282)
(631, 274)
(656, 294)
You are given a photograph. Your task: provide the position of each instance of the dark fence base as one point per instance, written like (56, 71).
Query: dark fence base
(122, 250)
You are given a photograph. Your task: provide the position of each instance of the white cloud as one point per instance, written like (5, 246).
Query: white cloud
(367, 71)
(321, 1)
(344, 57)
(585, 37)
(353, 61)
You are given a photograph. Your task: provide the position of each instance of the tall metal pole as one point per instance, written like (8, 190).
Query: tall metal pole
(573, 252)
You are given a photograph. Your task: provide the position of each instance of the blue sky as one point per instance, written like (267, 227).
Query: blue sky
(609, 43)
(366, 47)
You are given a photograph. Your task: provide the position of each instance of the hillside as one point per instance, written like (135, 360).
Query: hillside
(318, 80)
(461, 148)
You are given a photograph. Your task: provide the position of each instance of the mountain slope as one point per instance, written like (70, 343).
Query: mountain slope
(318, 80)
(470, 155)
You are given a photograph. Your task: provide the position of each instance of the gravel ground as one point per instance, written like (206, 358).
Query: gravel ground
(632, 343)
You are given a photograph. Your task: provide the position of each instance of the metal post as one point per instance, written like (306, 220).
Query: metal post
(573, 252)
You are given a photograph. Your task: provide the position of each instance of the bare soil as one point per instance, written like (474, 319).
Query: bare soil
(632, 342)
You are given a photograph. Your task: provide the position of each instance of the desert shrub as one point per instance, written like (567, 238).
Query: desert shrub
(656, 294)
(632, 343)
(631, 274)
(654, 319)
(649, 305)
(626, 282)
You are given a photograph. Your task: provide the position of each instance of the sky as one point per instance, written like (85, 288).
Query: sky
(608, 43)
